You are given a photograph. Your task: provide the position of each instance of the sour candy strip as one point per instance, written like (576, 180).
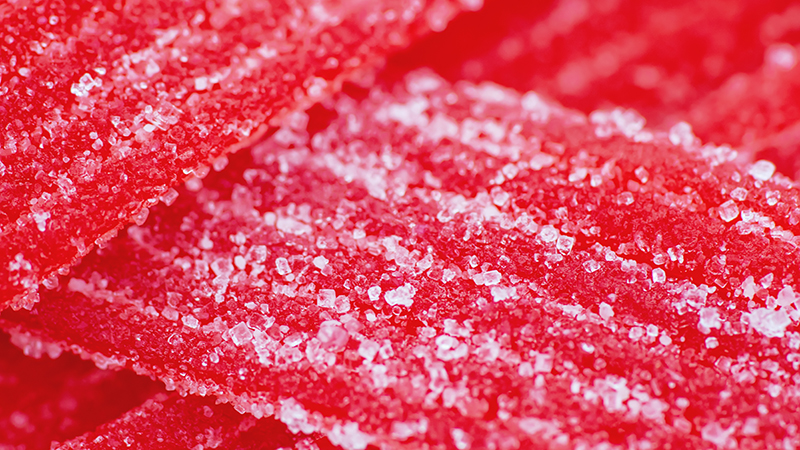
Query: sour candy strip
(466, 267)
(105, 107)
(170, 421)
(49, 396)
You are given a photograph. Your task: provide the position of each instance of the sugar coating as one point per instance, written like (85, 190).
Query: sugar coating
(403, 295)
(739, 90)
(105, 109)
(755, 111)
(417, 331)
(53, 396)
(170, 421)
(587, 54)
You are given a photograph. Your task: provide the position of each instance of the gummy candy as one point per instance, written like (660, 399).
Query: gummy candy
(170, 422)
(757, 112)
(58, 396)
(658, 57)
(105, 107)
(426, 265)
(464, 267)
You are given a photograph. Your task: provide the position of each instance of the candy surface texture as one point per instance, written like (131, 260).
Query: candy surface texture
(105, 108)
(457, 266)
(579, 227)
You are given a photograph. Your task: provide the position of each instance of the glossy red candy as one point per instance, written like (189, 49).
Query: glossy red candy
(56, 397)
(464, 267)
(104, 107)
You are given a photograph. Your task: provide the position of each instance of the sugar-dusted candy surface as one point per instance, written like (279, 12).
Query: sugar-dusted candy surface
(725, 67)
(57, 397)
(464, 267)
(170, 422)
(104, 107)
(757, 112)
(657, 57)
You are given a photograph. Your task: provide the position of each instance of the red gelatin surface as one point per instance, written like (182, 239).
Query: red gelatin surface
(105, 107)
(464, 267)
(54, 397)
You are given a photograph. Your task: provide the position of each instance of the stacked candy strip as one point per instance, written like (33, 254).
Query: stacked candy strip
(657, 57)
(170, 422)
(670, 61)
(464, 267)
(757, 112)
(105, 107)
(45, 400)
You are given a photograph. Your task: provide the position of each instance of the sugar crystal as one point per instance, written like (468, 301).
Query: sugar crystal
(728, 211)
(762, 170)
(241, 334)
(403, 296)
(768, 322)
(326, 298)
(282, 265)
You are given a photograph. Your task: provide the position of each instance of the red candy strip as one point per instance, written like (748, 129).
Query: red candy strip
(46, 399)
(105, 107)
(170, 422)
(672, 62)
(757, 112)
(657, 57)
(467, 267)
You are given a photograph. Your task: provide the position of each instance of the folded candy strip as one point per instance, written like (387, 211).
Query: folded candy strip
(104, 107)
(463, 267)
(58, 396)
(657, 57)
(171, 421)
